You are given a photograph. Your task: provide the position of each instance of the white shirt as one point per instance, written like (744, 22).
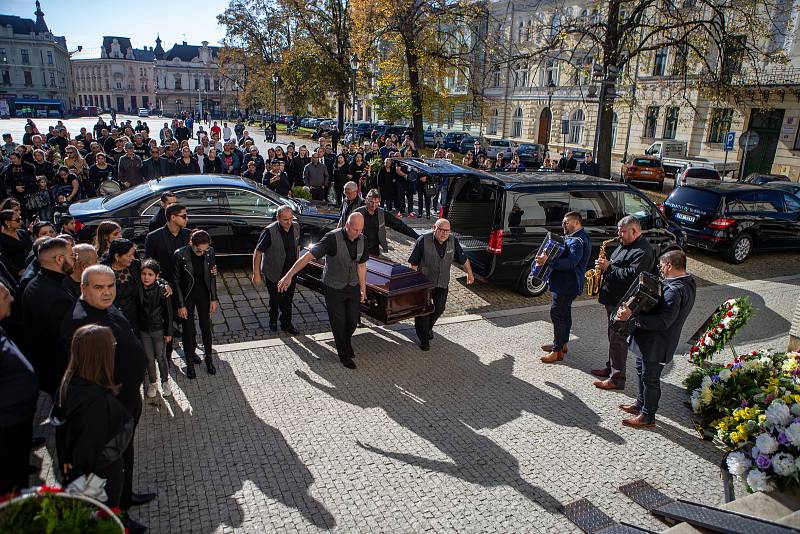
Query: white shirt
(226, 133)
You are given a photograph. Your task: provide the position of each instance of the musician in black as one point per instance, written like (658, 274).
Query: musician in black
(656, 335)
(633, 256)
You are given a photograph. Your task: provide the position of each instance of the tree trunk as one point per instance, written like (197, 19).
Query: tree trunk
(340, 113)
(412, 62)
(605, 117)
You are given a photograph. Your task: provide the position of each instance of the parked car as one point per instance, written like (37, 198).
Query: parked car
(644, 169)
(452, 140)
(506, 147)
(233, 210)
(697, 176)
(793, 188)
(502, 219)
(143, 112)
(326, 125)
(433, 137)
(468, 142)
(760, 178)
(398, 129)
(531, 156)
(735, 219)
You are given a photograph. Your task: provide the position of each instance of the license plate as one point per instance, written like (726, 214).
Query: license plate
(685, 217)
(646, 172)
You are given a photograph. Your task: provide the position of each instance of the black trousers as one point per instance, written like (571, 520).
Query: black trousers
(344, 312)
(127, 463)
(422, 198)
(199, 301)
(15, 454)
(115, 481)
(423, 324)
(561, 317)
(318, 193)
(280, 302)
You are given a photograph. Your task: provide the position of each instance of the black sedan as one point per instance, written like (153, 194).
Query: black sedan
(233, 210)
(531, 155)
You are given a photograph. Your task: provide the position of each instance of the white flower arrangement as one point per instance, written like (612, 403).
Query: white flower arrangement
(783, 464)
(738, 464)
(778, 414)
(759, 481)
(766, 443)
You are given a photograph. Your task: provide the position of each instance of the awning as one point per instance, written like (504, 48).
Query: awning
(37, 102)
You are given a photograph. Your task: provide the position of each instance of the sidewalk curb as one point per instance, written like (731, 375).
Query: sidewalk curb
(499, 314)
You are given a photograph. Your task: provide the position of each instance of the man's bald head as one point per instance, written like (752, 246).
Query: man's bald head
(354, 225)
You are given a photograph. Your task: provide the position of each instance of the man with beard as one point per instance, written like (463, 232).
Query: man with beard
(45, 303)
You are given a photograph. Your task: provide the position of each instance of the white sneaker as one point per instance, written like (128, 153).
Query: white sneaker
(152, 391)
(166, 391)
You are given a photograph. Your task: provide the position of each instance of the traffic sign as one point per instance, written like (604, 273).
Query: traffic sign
(748, 140)
(729, 139)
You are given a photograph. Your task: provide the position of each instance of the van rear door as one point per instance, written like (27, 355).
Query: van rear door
(473, 206)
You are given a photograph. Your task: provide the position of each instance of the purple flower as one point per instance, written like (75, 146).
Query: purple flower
(715, 379)
(737, 364)
(783, 439)
(763, 462)
(744, 403)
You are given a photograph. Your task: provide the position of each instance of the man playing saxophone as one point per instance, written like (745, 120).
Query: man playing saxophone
(634, 255)
(566, 282)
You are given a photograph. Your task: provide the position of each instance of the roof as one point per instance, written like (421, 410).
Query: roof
(512, 179)
(724, 187)
(186, 52)
(438, 166)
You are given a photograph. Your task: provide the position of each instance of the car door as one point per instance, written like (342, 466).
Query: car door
(792, 220)
(599, 212)
(529, 217)
(246, 214)
(205, 213)
(775, 222)
(654, 226)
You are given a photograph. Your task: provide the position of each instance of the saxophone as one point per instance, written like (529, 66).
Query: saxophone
(595, 277)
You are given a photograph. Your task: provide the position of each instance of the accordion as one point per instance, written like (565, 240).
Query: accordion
(642, 296)
(553, 246)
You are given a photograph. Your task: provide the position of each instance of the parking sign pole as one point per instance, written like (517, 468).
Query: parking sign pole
(744, 162)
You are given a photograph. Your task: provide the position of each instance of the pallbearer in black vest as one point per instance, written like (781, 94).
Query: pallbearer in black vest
(433, 254)
(276, 251)
(345, 279)
(376, 219)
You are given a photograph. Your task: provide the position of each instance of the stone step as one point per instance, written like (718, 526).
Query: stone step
(790, 520)
(769, 506)
(682, 528)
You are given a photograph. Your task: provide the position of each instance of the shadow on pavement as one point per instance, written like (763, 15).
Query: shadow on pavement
(216, 449)
(418, 393)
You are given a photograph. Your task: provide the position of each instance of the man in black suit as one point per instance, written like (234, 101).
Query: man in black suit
(160, 218)
(656, 336)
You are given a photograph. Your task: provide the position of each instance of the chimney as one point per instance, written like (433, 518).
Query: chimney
(184, 43)
(80, 48)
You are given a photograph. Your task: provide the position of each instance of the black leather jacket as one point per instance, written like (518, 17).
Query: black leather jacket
(185, 275)
(155, 312)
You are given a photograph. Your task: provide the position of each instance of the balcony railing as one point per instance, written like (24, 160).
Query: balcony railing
(769, 77)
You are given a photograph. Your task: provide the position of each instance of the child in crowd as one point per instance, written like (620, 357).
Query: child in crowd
(155, 326)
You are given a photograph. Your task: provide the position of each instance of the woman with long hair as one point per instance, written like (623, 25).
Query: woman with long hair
(212, 164)
(186, 164)
(15, 243)
(93, 429)
(107, 231)
(196, 293)
(341, 175)
(296, 166)
(121, 257)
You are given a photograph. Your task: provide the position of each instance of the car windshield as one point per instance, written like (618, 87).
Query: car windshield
(707, 174)
(498, 143)
(645, 162)
(698, 198)
(126, 197)
(269, 193)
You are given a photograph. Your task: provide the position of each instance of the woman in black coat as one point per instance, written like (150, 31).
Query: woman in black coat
(196, 292)
(186, 164)
(296, 166)
(93, 429)
(341, 175)
(212, 164)
(121, 257)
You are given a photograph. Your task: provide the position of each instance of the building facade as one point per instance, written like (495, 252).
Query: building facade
(188, 78)
(35, 75)
(115, 76)
(555, 103)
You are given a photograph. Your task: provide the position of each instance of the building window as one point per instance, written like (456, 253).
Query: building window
(733, 54)
(197, 84)
(3, 56)
(671, 122)
(156, 82)
(26, 59)
(521, 76)
(496, 78)
(576, 127)
(119, 84)
(52, 79)
(492, 130)
(207, 83)
(660, 63)
(178, 84)
(28, 78)
(680, 61)
(216, 84)
(720, 124)
(650, 121)
(516, 130)
(614, 125)
(6, 78)
(49, 57)
(550, 73)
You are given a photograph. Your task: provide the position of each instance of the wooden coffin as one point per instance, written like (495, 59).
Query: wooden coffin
(394, 292)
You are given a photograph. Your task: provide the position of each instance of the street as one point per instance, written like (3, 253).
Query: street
(474, 436)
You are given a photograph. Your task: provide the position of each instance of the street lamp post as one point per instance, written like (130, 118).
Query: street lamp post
(551, 88)
(354, 69)
(275, 80)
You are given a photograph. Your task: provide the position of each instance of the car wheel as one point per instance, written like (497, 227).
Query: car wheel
(740, 249)
(527, 287)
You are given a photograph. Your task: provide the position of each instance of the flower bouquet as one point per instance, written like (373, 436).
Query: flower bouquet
(51, 509)
(720, 329)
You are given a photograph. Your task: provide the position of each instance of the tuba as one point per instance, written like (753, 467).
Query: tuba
(594, 277)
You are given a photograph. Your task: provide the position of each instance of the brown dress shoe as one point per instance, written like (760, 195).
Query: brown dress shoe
(600, 373)
(631, 408)
(608, 384)
(640, 421)
(553, 357)
(549, 348)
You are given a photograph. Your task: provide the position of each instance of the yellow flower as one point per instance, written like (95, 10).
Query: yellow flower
(762, 418)
(736, 437)
(722, 425)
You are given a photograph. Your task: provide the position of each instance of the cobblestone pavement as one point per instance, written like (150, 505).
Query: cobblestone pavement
(474, 436)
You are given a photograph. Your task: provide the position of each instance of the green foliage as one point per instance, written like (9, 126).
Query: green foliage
(54, 515)
(300, 191)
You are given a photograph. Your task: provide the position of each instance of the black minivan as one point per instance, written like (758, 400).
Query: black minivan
(735, 218)
(502, 218)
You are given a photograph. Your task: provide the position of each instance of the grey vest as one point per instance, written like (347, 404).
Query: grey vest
(272, 260)
(340, 270)
(435, 268)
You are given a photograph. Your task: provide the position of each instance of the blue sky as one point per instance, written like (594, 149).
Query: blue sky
(85, 22)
